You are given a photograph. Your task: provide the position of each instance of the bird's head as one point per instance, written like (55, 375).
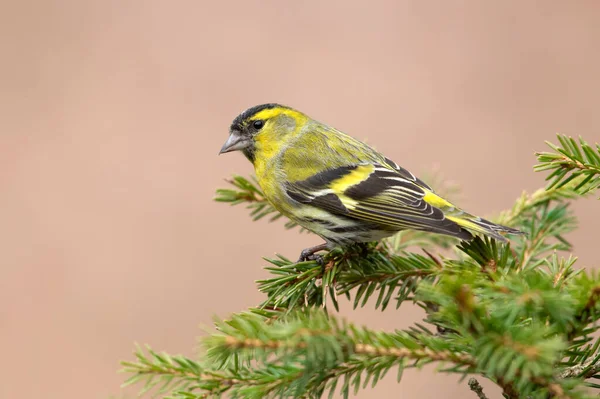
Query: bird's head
(265, 128)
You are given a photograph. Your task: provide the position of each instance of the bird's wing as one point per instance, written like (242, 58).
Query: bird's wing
(383, 194)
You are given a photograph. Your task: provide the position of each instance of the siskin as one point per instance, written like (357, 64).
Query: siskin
(338, 187)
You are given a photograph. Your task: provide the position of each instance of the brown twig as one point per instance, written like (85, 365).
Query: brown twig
(476, 387)
(434, 258)
(585, 370)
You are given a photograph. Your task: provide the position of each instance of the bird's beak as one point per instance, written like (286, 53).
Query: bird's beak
(235, 142)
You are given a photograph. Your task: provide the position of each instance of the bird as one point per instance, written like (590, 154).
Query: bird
(339, 187)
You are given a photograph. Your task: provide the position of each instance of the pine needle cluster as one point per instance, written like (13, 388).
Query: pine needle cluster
(519, 314)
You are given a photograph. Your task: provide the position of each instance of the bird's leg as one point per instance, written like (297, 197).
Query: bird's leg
(309, 253)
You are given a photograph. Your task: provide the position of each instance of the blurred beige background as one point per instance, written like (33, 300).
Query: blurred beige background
(112, 114)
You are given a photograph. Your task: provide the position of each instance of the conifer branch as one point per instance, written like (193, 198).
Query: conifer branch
(365, 270)
(327, 350)
(571, 160)
(527, 203)
(323, 350)
(518, 314)
(248, 192)
(587, 369)
(163, 373)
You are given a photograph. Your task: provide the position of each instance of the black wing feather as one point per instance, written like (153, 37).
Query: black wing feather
(391, 198)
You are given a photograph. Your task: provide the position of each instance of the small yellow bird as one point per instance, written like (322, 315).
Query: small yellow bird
(338, 187)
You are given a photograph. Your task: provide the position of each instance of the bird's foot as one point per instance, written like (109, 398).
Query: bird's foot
(316, 257)
(309, 254)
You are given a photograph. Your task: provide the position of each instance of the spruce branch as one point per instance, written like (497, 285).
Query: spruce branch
(587, 369)
(188, 380)
(546, 230)
(248, 192)
(326, 349)
(527, 203)
(164, 373)
(585, 292)
(545, 218)
(571, 160)
(518, 314)
(364, 270)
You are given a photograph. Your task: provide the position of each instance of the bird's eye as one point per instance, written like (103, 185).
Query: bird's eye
(258, 124)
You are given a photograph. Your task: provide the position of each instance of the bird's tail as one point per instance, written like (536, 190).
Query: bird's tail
(467, 221)
(479, 225)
